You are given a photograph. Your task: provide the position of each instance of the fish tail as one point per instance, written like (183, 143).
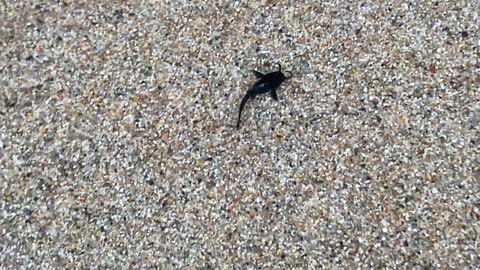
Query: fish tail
(242, 104)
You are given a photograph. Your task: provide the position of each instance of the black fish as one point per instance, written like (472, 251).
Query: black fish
(267, 83)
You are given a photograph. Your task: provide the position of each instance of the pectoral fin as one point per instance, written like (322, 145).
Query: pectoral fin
(273, 94)
(259, 75)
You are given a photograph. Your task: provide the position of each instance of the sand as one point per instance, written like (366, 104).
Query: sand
(118, 146)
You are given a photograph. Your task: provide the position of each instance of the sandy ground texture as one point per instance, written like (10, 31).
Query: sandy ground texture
(118, 146)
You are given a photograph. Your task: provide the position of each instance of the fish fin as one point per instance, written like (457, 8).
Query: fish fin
(273, 94)
(258, 74)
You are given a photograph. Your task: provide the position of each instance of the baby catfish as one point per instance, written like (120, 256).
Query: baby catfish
(267, 83)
